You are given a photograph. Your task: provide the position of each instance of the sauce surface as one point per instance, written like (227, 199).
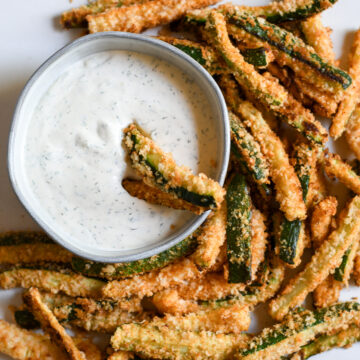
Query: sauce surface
(75, 160)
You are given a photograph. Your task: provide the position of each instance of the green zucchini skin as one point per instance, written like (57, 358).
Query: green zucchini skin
(340, 270)
(256, 57)
(294, 47)
(122, 270)
(26, 319)
(238, 230)
(24, 237)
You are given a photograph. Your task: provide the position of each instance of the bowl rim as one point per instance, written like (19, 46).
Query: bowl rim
(156, 249)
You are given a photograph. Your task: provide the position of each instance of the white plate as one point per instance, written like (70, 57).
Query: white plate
(30, 34)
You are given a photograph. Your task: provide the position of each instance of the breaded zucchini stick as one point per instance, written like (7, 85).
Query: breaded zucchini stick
(211, 238)
(347, 106)
(335, 167)
(288, 188)
(324, 261)
(159, 169)
(139, 189)
(297, 330)
(259, 240)
(50, 324)
(353, 132)
(52, 281)
(77, 17)
(318, 36)
(162, 342)
(139, 17)
(233, 319)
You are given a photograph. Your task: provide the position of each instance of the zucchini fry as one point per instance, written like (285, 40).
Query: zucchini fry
(146, 285)
(233, 319)
(343, 339)
(158, 169)
(325, 260)
(238, 230)
(350, 100)
(50, 324)
(52, 281)
(123, 270)
(335, 167)
(318, 36)
(211, 238)
(297, 330)
(166, 343)
(287, 184)
(139, 17)
(353, 132)
(327, 293)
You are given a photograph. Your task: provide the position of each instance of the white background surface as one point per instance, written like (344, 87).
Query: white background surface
(29, 34)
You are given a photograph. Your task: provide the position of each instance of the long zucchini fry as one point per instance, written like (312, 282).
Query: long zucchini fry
(157, 280)
(335, 167)
(297, 330)
(259, 240)
(318, 36)
(238, 230)
(51, 326)
(158, 169)
(287, 184)
(343, 339)
(248, 149)
(347, 106)
(233, 319)
(123, 270)
(139, 189)
(34, 253)
(166, 343)
(289, 50)
(353, 132)
(321, 219)
(139, 17)
(52, 281)
(76, 17)
(211, 238)
(325, 260)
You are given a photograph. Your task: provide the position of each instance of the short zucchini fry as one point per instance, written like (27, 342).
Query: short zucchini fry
(353, 132)
(211, 238)
(325, 260)
(159, 169)
(318, 36)
(166, 343)
(123, 270)
(297, 330)
(238, 230)
(139, 17)
(347, 106)
(52, 281)
(287, 185)
(342, 339)
(50, 324)
(335, 167)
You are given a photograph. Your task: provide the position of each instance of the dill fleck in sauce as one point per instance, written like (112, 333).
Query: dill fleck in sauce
(75, 160)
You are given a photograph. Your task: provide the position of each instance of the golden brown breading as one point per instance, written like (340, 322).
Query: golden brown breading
(211, 238)
(152, 195)
(139, 17)
(50, 324)
(121, 355)
(347, 106)
(317, 187)
(356, 269)
(321, 219)
(327, 293)
(353, 132)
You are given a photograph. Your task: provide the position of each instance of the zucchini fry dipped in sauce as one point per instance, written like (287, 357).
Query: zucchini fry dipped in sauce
(238, 230)
(167, 343)
(297, 330)
(347, 106)
(323, 262)
(353, 131)
(158, 169)
(139, 17)
(50, 324)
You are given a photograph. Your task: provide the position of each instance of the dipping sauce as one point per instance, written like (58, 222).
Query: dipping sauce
(75, 160)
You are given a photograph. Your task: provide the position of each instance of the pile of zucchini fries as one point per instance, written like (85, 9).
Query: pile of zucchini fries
(276, 68)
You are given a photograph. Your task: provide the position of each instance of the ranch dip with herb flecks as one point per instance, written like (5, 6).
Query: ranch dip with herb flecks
(75, 160)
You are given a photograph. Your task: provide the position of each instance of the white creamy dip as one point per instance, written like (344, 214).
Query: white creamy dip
(75, 160)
